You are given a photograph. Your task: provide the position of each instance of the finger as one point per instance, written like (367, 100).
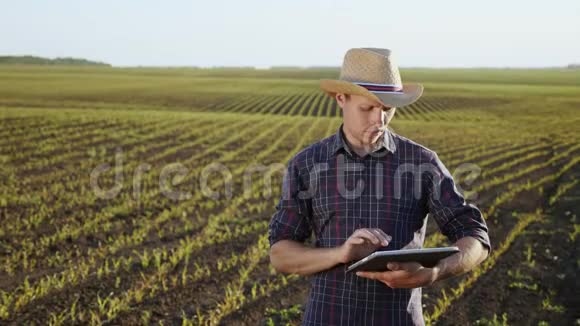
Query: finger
(410, 267)
(355, 240)
(393, 266)
(369, 275)
(371, 236)
(388, 237)
(378, 236)
(365, 234)
(385, 277)
(381, 235)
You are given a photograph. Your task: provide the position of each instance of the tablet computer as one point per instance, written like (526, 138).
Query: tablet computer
(377, 261)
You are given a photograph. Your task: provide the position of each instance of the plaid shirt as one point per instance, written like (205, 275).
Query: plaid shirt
(330, 191)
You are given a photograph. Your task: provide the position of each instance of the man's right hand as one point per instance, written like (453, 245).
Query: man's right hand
(361, 243)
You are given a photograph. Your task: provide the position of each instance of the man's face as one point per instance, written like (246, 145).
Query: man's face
(362, 117)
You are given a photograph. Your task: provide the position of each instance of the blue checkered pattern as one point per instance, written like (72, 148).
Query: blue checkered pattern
(329, 192)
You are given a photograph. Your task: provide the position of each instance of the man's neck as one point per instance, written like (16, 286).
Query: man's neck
(357, 146)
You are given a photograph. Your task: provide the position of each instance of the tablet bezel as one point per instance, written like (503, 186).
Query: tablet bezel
(399, 255)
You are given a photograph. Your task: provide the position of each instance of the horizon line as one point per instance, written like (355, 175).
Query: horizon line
(272, 67)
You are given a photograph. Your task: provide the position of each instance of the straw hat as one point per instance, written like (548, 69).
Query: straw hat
(373, 73)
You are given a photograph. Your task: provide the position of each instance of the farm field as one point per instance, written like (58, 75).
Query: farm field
(132, 254)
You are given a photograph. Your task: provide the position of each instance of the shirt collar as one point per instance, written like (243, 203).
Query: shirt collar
(340, 142)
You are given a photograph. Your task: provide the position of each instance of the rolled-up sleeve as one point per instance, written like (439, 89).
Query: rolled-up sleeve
(456, 219)
(292, 218)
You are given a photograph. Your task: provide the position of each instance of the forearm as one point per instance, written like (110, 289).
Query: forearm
(471, 254)
(293, 257)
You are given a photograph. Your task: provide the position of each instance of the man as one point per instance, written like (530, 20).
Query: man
(367, 188)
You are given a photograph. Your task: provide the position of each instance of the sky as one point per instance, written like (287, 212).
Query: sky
(492, 33)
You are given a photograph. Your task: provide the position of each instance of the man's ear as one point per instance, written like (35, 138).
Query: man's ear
(340, 99)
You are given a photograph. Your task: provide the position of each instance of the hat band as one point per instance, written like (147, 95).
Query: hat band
(382, 88)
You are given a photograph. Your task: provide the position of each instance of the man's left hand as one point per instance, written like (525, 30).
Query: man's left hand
(404, 275)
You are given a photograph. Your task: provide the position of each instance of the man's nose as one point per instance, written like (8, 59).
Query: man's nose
(378, 116)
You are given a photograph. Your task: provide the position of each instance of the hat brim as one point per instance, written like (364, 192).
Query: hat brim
(411, 92)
